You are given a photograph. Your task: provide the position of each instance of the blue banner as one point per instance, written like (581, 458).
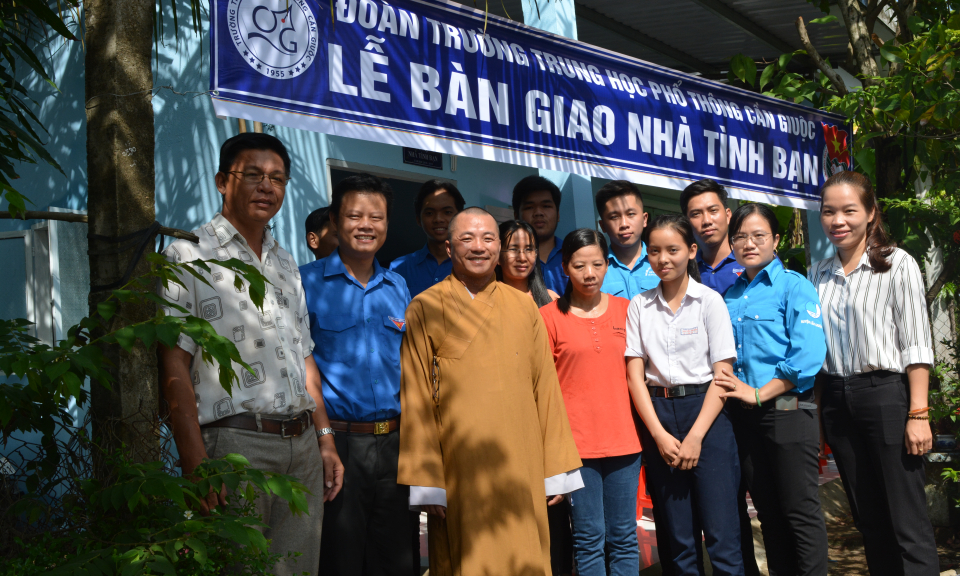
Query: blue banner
(426, 74)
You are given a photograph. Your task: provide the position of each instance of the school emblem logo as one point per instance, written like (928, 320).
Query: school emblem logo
(813, 309)
(277, 38)
(738, 271)
(836, 151)
(397, 322)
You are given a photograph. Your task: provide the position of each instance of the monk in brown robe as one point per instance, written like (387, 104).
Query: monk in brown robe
(484, 438)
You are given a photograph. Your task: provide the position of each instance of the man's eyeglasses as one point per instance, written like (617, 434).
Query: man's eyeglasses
(758, 239)
(255, 178)
(514, 252)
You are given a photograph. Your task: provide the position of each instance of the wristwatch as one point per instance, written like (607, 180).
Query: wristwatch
(324, 431)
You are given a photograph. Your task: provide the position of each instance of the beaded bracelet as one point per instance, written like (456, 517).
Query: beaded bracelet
(918, 417)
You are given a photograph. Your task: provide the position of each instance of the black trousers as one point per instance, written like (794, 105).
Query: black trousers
(561, 538)
(369, 529)
(864, 420)
(779, 460)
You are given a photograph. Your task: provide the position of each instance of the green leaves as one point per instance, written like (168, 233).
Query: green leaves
(744, 68)
(824, 19)
(145, 521)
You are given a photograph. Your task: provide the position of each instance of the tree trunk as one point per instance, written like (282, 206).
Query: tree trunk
(120, 164)
(889, 156)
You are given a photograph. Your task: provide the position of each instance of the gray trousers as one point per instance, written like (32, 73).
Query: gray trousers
(298, 457)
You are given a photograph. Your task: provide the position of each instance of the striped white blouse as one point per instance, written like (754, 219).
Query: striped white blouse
(873, 321)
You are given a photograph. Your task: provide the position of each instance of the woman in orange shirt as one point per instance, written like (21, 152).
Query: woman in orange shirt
(587, 331)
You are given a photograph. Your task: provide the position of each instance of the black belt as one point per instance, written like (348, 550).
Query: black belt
(378, 428)
(840, 380)
(788, 401)
(678, 391)
(289, 428)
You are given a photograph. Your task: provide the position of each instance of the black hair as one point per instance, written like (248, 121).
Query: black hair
(362, 182)
(702, 187)
(317, 220)
(741, 213)
(615, 189)
(879, 244)
(233, 146)
(579, 238)
(679, 224)
(538, 287)
(528, 186)
(431, 186)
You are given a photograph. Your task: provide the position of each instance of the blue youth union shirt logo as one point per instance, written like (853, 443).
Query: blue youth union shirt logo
(277, 38)
(813, 309)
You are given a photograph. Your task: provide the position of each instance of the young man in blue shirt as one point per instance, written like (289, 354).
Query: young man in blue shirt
(704, 203)
(536, 201)
(356, 312)
(622, 218)
(436, 205)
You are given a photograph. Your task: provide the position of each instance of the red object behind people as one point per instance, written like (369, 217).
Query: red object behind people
(588, 353)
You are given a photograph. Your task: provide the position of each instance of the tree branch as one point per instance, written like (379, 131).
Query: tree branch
(829, 72)
(947, 272)
(68, 217)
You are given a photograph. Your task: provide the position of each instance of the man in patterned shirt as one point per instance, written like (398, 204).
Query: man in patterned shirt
(275, 416)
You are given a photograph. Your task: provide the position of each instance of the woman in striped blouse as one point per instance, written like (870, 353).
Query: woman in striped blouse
(874, 379)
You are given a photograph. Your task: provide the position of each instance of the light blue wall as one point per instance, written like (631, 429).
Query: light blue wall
(62, 114)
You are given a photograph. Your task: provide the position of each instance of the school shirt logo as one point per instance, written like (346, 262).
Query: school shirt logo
(277, 38)
(813, 309)
(738, 271)
(397, 322)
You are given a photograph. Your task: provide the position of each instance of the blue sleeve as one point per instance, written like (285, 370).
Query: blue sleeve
(806, 344)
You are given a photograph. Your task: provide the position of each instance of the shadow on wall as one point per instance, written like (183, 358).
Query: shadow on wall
(62, 114)
(189, 135)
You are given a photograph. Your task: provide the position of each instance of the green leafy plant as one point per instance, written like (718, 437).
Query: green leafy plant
(143, 521)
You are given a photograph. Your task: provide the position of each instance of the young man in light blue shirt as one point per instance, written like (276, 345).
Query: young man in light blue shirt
(436, 204)
(622, 218)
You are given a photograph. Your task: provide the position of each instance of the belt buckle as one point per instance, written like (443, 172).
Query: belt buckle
(746, 406)
(283, 428)
(381, 428)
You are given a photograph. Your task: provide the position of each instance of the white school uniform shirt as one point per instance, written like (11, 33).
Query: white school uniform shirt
(275, 343)
(873, 321)
(679, 348)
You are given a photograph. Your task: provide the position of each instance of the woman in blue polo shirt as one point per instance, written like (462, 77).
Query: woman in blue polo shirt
(780, 348)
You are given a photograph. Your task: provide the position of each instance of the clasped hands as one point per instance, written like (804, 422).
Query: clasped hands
(685, 455)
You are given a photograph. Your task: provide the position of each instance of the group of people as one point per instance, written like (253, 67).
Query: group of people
(510, 384)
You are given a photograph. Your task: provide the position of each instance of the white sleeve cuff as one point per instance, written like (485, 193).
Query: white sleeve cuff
(560, 484)
(427, 495)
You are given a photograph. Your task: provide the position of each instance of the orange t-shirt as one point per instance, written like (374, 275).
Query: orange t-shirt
(588, 353)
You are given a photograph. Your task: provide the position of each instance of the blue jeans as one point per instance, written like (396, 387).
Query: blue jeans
(604, 514)
(702, 500)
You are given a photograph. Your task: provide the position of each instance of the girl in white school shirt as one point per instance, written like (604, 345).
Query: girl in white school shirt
(874, 380)
(679, 336)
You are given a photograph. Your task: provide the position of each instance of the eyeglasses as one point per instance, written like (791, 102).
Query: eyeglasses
(758, 238)
(255, 178)
(514, 252)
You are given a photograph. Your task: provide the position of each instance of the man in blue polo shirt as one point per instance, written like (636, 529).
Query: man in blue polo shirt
(704, 203)
(435, 206)
(357, 322)
(622, 218)
(536, 201)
